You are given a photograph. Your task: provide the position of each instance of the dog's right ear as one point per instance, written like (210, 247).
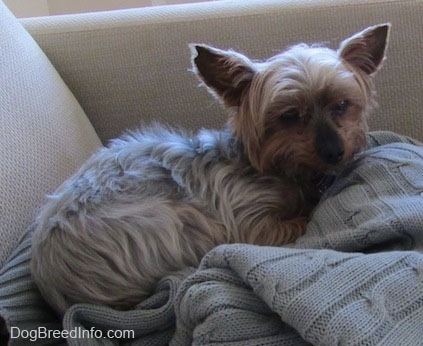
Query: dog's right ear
(226, 73)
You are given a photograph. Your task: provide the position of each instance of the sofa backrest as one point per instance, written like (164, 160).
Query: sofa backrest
(131, 67)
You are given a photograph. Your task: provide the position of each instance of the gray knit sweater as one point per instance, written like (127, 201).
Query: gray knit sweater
(354, 278)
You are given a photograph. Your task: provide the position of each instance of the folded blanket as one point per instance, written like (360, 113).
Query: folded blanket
(354, 278)
(376, 204)
(328, 297)
(242, 294)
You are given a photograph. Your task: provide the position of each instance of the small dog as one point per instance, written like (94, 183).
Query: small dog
(157, 200)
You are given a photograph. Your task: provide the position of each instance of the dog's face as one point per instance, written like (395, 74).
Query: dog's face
(303, 109)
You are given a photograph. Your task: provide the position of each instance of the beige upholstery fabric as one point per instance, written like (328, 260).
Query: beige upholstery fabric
(45, 134)
(131, 66)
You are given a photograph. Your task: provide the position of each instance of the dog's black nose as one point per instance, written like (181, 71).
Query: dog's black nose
(329, 144)
(333, 155)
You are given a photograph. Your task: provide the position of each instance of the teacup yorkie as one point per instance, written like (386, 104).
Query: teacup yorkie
(157, 200)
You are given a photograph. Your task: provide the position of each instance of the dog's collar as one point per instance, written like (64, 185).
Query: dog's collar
(322, 182)
(325, 183)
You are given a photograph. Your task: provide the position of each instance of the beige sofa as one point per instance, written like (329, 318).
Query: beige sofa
(104, 73)
(131, 67)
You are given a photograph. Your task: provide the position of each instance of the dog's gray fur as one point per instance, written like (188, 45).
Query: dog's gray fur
(152, 203)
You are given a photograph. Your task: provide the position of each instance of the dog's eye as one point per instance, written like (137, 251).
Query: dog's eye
(340, 108)
(290, 117)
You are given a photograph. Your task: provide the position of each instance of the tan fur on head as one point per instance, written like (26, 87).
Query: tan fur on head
(278, 106)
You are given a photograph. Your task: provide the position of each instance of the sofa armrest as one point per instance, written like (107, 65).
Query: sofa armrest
(131, 67)
(45, 134)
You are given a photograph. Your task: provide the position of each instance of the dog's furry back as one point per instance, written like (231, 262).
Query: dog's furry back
(154, 202)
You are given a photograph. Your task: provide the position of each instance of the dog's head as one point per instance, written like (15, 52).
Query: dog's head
(303, 109)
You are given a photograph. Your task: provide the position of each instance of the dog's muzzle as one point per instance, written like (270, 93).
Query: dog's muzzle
(329, 144)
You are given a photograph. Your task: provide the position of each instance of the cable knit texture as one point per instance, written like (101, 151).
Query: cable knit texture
(354, 278)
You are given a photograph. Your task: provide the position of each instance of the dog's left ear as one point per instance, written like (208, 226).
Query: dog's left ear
(227, 74)
(366, 49)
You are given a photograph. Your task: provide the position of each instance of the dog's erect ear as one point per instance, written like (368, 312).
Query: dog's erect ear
(227, 74)
(366, 49)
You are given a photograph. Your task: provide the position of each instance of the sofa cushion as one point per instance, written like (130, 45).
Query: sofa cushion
(45, 134)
